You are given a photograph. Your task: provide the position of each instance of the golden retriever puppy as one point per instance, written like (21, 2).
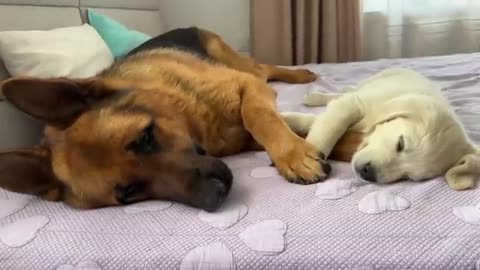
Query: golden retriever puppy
(410, 130)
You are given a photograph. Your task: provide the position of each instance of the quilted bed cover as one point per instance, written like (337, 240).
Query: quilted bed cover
(268, 223)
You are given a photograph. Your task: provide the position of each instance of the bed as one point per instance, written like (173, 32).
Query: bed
(268, 223)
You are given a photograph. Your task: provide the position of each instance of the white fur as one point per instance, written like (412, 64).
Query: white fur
(390, 104)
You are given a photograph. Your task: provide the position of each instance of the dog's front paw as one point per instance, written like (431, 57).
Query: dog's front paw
(304, 76)
(301, 163)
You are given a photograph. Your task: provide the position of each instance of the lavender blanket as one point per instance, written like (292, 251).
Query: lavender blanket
(268, 223)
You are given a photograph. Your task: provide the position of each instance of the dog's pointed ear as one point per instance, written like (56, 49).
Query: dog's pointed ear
(29, 171)
(58, 102)
(464, 174)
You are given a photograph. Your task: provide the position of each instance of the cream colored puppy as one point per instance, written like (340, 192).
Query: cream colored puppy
(411, 132)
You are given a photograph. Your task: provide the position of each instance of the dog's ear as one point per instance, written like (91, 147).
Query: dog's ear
(392, 109)
(58, 102)
(29, 171)
(414, 107)
(464, 173)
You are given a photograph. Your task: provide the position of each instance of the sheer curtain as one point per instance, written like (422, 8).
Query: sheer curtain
(412, 28)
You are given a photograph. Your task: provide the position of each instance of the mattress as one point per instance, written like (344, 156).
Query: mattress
(268, 223)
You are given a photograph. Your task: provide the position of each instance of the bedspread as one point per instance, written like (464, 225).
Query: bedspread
(268, 223)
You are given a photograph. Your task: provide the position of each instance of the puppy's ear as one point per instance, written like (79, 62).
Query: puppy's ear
(29, 171)
(58, 102)
(414, 107)
(464, 173)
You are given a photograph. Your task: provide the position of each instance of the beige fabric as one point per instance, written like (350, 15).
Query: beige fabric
(305, 31)
(73, 52)
(39, 18)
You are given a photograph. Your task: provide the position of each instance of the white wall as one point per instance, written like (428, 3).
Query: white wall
(229, 18)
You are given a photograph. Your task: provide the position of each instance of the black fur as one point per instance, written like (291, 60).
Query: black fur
(187, 39)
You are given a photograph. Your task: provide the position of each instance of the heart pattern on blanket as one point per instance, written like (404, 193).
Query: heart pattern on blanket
(335, 189)
(382, 201)
(226, 216)
(10, 206)
(267, 237)
(262, 155)
(147, 206)
(468, 213)
(22, 231)
(85, 265)
(264, 172)
(212, 256)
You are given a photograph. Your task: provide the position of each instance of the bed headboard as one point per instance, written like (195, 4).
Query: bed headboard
(15, 128)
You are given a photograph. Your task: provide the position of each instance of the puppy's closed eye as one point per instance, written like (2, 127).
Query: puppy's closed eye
(400, 144)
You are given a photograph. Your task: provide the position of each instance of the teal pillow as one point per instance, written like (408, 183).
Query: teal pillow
(118, 37)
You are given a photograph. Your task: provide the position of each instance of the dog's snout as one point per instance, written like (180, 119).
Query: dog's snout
(217, 182)
(221, 172)
(200, 150)
(367, 172)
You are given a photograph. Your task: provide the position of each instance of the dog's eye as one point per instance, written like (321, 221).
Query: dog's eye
(146, 143)
(400, 144)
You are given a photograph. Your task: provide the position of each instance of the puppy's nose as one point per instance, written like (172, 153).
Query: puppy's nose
(368, 173)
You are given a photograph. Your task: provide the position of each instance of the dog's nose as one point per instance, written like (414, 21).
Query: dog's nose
(368, 173)
(216, 186)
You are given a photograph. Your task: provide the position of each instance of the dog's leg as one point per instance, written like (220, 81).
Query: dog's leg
(295, 159)
(318, 99)
(220, 51)
(331, 125)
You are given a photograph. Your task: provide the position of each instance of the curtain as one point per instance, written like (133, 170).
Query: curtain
(413, 28)
(289, 32)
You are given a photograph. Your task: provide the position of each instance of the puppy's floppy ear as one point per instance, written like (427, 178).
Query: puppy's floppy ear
(58, 102)
(464, 173)
(29, 171)
(394, 108)
(415, 107)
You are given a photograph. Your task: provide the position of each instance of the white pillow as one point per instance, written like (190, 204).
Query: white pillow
(73, 52)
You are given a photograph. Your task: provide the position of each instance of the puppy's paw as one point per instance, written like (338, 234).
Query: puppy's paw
(316, 99)
(461, 183)
(302, 164)
(303, 76)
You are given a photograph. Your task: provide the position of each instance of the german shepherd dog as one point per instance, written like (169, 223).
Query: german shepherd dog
(153, 125)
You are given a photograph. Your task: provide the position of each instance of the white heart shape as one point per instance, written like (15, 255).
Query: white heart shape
(335, 189)
(381, 201)
(22, 231)
(226, 216)
(264, 172)
(468, 213)
(262, 155)
(213, 256)
(147, 206)
(85, 265)
(267, 236)
(10, 206)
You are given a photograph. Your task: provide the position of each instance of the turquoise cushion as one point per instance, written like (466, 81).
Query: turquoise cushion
(118, 37)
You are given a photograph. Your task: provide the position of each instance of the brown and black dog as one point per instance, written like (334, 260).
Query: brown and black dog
(152, 125)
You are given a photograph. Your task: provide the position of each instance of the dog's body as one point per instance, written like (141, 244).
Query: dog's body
(141, 129)
(410, 130)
